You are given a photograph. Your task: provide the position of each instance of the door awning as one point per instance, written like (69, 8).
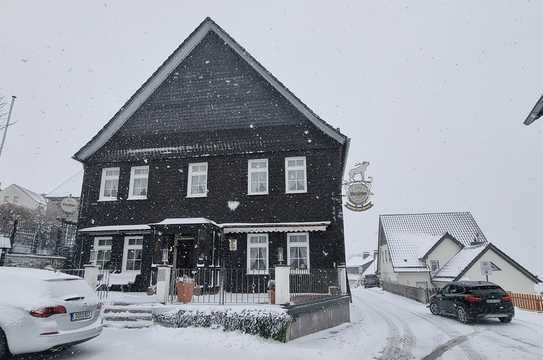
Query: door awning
(185, 221)
(275, 227)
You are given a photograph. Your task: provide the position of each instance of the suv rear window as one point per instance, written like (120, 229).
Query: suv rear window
(67, 288)
(486, 290)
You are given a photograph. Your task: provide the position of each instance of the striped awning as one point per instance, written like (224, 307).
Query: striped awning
(275, 227)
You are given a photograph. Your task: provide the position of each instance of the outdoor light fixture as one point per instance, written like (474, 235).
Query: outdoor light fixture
(165, 256)
(280, 255)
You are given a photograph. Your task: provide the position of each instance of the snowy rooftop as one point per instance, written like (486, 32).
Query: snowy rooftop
(113, 228)
(186, 221)
(358, 260)
(459, 262)
(410, 236)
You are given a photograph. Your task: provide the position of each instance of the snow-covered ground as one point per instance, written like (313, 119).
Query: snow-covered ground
(384, 326)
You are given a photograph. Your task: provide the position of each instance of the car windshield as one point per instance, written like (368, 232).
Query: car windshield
(486, 290)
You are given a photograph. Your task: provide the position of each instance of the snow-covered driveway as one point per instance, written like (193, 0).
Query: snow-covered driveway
(384, 327)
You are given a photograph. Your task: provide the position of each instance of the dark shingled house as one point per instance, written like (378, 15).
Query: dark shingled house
(212, 163)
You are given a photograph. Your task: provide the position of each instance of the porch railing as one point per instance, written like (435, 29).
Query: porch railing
(220, 286)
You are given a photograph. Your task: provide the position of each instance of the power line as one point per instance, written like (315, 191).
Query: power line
(65, 181)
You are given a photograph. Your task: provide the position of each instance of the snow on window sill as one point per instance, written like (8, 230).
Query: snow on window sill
(196, 195)
(137, 198)
(107, 199)
(259, 193)
(296, 192)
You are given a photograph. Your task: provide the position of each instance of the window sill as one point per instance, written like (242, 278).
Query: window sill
(263, 193)
(296, 192)
(196, 196)
(258, 272)
(107, 199)
(137, 198)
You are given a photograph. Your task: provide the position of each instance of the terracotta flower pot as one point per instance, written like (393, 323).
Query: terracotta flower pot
(184, 291)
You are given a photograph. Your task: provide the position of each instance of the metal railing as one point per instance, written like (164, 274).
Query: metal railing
(220, 286)
(313, 284)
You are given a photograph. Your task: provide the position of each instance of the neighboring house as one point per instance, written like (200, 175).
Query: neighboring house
(536, 112)
(213, 162)
(425, 250)
(20, 196)
(358, 264)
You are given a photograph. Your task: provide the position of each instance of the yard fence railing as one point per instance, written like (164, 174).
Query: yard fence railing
(530, 302)
(313, 284)
(420, 294)
(221, 286)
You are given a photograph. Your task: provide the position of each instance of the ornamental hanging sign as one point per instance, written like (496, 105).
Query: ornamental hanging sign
(358, 188)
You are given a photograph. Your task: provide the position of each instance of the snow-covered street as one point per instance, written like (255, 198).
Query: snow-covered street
(384, 326)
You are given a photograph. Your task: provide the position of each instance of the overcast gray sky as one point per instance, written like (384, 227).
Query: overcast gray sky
(432, 93)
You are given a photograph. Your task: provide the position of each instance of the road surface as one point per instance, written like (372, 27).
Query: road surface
(383, 327)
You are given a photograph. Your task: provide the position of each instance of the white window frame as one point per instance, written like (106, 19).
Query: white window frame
(103, 182)
(189, 182)
(133, 178)
(132, 247)
(250, 171)
(287, 169)
(432, 262)
(259, 245)
(96, 247)
(291, 244)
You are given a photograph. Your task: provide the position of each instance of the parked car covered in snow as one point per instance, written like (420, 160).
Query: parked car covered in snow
(473, 300)
(42, 310)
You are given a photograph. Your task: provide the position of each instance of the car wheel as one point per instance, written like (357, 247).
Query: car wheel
(434, 309)
(4, 351)
(462, 315)
(506, 319)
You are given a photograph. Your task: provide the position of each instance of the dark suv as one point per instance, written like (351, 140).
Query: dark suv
(370, 280)
(473, 300)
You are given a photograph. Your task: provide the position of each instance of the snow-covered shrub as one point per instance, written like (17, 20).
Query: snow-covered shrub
(267, 324)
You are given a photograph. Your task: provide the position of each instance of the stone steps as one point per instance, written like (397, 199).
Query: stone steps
(128, 317)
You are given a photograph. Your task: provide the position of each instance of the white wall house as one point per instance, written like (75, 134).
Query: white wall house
(431, 250)
(20, 196)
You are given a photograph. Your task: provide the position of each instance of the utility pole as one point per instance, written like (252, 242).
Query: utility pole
(8, 124)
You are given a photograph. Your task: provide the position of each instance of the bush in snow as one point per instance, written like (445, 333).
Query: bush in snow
(267, 324)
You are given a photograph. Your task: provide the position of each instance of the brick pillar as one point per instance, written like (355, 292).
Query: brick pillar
(163, 283)
(342, 278)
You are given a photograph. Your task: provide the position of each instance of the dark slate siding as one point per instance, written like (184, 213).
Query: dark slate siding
(214, 103)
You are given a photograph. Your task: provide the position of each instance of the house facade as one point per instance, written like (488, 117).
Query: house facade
(212, 163)
(431, 250)
(17, 195)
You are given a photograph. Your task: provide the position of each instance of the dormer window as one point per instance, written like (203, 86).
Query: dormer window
(109, 185)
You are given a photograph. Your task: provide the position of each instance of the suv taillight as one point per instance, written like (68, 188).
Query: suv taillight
(45, 312)
(472, 299)
(507, 298)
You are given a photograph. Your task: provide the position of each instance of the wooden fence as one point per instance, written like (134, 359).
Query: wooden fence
(528, 301)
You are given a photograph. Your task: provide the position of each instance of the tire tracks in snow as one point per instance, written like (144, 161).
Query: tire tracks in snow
(400, 342)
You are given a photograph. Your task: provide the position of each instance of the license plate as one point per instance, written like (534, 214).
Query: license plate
(493, 301)
(82, 315)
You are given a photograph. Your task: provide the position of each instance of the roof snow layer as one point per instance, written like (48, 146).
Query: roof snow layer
(410, 236)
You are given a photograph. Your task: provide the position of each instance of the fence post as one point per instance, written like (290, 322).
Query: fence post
(342, 278)
(282, 284)
(163, 283)
(91, 275)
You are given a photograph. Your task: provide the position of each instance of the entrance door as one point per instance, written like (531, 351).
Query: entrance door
(185, 253)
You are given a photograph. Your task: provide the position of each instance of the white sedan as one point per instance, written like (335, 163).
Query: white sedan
(42, 310)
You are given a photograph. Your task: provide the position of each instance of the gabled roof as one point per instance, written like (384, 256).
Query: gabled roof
(31, 194)
(425, 251)
(411, 236)
(171, 63)
(358, 260)
(536, 112)
(455, 268)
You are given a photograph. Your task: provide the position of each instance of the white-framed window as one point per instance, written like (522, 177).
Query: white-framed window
(257, 177)
(298, 251)
(197, 183)
(434, 265)
(295, 175)
(109, 186)
(257, 253)
(102, 252)
(139, 179)
(132, 255)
